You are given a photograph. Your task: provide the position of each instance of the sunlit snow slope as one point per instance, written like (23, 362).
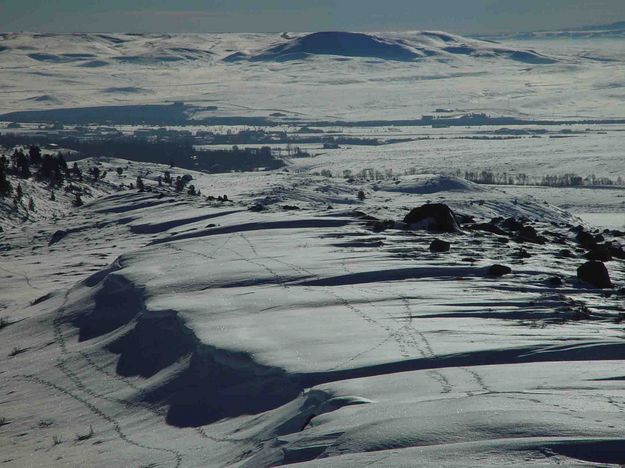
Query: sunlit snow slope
(194, 333)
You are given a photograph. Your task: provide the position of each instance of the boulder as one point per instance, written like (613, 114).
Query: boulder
(588, 240)
(379, 226)
(555, 281)
(487, 227)
(57, 236)
(529, 234)
(594, 273)
(512, 223)
(438, 245)
(498, 270)
(257, 207)
(599, 252)
(616, 250)
(464, 218)
(433, 216)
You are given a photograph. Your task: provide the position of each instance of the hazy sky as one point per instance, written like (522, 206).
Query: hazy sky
(462, 16)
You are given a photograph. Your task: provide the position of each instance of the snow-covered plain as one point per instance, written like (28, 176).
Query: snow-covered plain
(425, 71)
(169, 330)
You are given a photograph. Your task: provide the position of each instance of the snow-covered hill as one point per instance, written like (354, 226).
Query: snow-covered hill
(388, 46)
(172, 330)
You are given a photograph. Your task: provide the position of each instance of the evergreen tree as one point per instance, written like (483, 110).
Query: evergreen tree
(34, 153)
(52, 196)
(140, 185)
(21, 164)
(5, 185)
(19, 193)
(31, 204)
(62, 164)
(179, 184)
(77, 200)
(76, 172)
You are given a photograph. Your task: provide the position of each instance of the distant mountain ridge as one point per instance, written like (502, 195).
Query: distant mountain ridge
(405, 47)
(594, 31)
(90, 50)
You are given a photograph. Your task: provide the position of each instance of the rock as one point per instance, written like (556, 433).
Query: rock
(512, 224)
(558, 238)
(595, 273)
(555, 281)
(498, 270)
(487, 227)
(522, 253)
(565, 253)
(599, 252)
(379, 226)
(586, 240)
(433, 216)
(290, 207)
(438, 245)
(616, 250)
(364, 216)
(57, 236)
(464, 218)
(529, 234)
(257, 207)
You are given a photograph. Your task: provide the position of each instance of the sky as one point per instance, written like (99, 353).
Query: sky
(459, 16)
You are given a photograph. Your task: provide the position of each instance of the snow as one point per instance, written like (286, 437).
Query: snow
(164, 329)
(95, 70)
(396, 47)
(212, 335)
